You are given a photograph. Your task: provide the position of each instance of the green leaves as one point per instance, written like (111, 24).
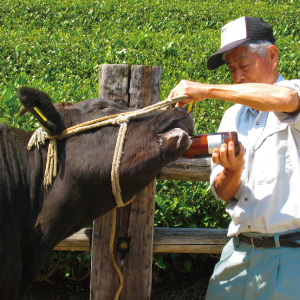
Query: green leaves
(188, 204)
(68, 264)
(54, 39)
(159, 261)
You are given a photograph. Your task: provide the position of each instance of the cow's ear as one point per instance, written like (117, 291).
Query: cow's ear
(40, 105)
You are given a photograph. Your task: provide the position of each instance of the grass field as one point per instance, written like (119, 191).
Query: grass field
(57, 46)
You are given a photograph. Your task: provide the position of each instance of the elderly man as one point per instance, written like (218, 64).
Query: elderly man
(262, 183)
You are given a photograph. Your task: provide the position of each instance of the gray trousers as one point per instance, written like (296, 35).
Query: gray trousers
(246, 273)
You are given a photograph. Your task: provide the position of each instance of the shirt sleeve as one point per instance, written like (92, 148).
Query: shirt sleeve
(292, 119)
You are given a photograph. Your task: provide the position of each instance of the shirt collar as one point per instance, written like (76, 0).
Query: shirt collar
(280, 78)
(254, 111)
(248, 109)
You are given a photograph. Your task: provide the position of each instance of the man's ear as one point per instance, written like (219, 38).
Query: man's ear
(40, 105)
(272, 55)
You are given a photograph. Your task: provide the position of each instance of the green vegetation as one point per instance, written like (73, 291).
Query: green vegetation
(57, 46)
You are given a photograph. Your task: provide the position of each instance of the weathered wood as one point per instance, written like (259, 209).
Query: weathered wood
(135, 220)
(144, 91)
(215, 249)
(137, 269)
(113, 82)
(189, 240)
(79, 241)
(193, 236)
(144, 86)
(104, 279)
(187, 169)
(173, 240)
(113, 85)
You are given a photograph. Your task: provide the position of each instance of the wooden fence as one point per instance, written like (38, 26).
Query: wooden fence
(136, 237)
(170, 240)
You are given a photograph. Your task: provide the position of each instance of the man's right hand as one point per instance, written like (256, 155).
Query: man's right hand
(228, 181)
(226, 157)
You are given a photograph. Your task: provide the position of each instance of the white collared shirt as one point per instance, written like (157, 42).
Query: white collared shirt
(268, 200)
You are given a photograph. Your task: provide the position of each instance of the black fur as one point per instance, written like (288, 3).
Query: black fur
(34, 219)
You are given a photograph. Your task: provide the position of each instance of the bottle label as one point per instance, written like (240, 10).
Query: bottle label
(214, 141)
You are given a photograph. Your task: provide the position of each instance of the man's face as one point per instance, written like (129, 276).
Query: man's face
(248, 67)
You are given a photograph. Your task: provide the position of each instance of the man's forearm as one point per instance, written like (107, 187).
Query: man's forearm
(227, 184)
(262, 97)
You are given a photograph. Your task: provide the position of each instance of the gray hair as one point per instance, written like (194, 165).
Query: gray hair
(255, 46)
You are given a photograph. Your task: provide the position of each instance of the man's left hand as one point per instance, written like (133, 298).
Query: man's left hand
(194, 91)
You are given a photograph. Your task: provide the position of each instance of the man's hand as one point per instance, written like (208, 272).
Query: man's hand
(194, 91)
(228, 181)
(226, 157)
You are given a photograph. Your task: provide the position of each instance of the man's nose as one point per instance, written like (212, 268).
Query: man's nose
(239, 76)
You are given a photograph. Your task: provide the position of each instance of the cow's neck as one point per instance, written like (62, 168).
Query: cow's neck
(21, 184)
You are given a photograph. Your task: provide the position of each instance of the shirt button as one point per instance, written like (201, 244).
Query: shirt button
(257, 123)
(249, 226)
(246, 199)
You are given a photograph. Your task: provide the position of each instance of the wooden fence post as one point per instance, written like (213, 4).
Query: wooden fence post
(139, 87)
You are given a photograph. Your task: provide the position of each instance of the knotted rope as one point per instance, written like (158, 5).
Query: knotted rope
(115, 182)
(40, 135)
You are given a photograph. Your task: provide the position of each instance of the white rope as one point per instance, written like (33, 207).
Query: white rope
(40, 135)
(117, 118)
(116, 188)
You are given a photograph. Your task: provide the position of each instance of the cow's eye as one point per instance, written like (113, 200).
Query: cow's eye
(96, 108)
(122, 102)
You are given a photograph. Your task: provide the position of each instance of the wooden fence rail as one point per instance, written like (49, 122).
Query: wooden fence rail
(171, 240)
(187, 170)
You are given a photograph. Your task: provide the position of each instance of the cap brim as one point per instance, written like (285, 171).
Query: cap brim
(216, 60)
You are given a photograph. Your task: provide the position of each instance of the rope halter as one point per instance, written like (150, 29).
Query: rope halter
(40, 136)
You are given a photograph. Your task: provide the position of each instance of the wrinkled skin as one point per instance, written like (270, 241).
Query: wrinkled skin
(34, 219)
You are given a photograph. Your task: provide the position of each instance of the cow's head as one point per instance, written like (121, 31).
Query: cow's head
(85, 160)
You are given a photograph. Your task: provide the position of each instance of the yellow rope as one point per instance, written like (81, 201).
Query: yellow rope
(116, 188)
(111, 254)
(51, 164)
(190, 106)
(111, 249)
(118, 119)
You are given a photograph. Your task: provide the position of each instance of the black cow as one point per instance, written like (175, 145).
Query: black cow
(33, 219)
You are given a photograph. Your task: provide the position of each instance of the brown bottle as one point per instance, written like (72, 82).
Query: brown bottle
(204, 144)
